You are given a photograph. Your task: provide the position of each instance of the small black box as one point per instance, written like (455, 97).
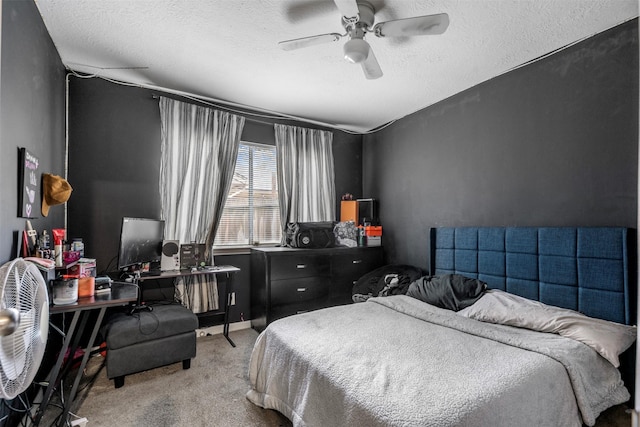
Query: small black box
(103, 284)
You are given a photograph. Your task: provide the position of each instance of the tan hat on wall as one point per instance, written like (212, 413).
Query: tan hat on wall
(55, 191)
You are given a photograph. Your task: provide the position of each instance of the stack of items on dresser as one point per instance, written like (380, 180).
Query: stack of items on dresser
(363, 214)
(358, 226)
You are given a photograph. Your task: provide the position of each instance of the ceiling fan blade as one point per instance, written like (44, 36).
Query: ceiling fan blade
(348, 8)
(309, 41)
(417, 26)
(371, 67)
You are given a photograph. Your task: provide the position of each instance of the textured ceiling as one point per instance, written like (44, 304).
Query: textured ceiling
(227, 50)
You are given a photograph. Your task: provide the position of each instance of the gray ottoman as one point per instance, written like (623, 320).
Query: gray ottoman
(149, 339)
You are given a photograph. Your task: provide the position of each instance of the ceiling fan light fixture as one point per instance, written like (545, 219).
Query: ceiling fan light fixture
(356, 50)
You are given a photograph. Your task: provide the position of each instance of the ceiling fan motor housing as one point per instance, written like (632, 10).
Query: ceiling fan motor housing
(366, 17)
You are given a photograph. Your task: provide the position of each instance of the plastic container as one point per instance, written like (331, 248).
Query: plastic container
(86, 287)
(45, 243)
(65, 291)
(78, 245)
(58, 237)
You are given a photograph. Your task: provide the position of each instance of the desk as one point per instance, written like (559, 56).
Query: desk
(227, 270)
(121, 294)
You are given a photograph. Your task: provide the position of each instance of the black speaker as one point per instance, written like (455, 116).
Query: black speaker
(192, 255)
(170, 255)
(310, 235)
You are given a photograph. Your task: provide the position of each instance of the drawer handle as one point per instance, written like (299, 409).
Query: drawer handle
(357, 261)
(301, 289)
(301, 266)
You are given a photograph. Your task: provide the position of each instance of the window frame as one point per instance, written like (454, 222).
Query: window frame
(245, 247)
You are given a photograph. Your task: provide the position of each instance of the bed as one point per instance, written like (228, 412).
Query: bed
(397, 360)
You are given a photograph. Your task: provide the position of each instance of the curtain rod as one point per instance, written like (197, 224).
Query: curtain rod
(248, 115)
(251, 119)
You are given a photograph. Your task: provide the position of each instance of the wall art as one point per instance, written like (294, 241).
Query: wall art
(28, 183)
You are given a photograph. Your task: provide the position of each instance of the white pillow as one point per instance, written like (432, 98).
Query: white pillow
(609, 339)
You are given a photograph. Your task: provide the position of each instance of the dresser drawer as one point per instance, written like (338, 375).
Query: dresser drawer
(354, 264)
(287, 291)
(289, 267)
(280, 311)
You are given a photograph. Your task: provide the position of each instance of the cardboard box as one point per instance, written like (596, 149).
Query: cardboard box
(373, 231)
(374, 241)
(86, 267)
(349, 211)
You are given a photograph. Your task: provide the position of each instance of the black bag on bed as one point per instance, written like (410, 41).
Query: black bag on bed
(310, 235)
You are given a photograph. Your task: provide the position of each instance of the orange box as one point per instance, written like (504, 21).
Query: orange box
(349, 211)
(373, 231)
(86, 286)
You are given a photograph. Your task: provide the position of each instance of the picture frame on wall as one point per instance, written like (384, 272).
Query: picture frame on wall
(28, 183)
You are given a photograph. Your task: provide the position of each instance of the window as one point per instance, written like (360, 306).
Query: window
(251, 213)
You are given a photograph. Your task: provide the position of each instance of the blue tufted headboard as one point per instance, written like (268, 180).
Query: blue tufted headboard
(581, 268)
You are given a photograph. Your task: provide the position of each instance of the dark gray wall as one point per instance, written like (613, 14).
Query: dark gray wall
(32, 104)
(114, 160)
(32, 88)
(553, 143)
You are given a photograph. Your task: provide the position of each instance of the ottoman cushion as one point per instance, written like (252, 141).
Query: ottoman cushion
(166, 320)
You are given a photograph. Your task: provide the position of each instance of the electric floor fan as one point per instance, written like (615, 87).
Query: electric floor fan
(24, 325)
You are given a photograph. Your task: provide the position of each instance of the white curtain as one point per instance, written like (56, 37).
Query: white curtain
(199, 151)
(306, 188)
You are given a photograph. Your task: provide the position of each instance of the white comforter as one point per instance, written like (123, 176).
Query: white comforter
(396, 361)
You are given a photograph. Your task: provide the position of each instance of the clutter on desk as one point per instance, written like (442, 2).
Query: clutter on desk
(77, 245)
(46, 266)
(85, 271)
(68, 273)
(84, 267)
(103, 284)
(65, 290)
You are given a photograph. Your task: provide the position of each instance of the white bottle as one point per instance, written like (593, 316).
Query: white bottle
(58, 254)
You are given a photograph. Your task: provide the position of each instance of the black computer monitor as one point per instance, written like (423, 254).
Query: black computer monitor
(140, 241)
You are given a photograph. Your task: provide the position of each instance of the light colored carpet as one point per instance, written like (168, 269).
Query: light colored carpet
(210, 393)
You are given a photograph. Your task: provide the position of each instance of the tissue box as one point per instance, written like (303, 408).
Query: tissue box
(86, 267)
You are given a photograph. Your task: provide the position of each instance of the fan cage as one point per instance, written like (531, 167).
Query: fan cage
(22, 287)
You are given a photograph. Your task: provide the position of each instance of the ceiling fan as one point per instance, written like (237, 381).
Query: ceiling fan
(357, 19)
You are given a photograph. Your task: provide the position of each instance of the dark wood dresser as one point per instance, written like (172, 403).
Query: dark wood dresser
(286, 281)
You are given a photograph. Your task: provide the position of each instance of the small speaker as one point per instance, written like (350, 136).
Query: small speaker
(192, 255)
(310, 239)
(170, 260)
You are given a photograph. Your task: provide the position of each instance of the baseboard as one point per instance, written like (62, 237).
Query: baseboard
(218, 329)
